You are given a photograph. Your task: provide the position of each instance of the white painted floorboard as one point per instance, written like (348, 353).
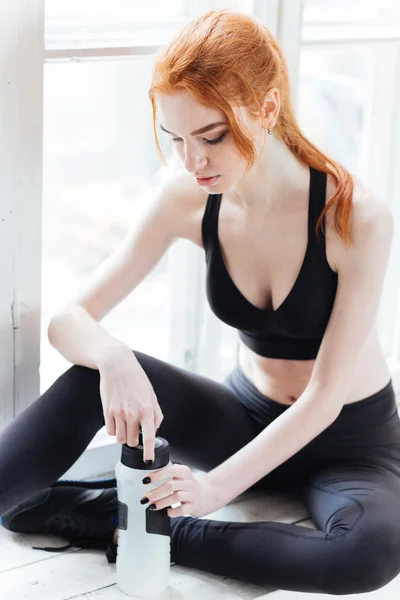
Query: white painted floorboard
(27, 574)
(81, 574)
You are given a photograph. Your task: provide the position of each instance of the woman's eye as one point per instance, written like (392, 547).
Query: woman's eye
(214, 141)
(217, 140)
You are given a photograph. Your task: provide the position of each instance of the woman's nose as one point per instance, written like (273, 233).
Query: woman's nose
(194, 163)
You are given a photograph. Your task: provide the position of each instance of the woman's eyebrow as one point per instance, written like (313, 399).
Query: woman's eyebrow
(201, 130)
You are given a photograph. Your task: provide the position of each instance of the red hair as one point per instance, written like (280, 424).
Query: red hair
(225, 57)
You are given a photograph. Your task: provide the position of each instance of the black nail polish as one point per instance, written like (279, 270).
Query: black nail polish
(149, 461)
(152, 506)
(144, 501)
(146, 480)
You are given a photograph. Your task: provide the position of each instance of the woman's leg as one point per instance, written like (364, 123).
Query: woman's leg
(357, 509)
(356, 550)
(204, 423)
(354, 499)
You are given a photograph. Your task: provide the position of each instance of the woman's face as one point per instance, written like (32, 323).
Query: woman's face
(209, 153)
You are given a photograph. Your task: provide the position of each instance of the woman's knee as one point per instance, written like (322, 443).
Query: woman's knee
(364, 562)
(76, 390)
(381, 545)
(78, 379)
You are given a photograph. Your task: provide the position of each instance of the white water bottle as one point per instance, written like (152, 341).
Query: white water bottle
(144, 536)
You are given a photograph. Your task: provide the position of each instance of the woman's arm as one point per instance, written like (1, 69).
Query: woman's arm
(74, 330)
(361, 273)
(82, 340)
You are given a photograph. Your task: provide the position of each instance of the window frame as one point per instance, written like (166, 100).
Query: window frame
(21, 106)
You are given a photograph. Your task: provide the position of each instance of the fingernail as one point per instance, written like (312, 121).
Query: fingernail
(152, 506)
(146, 480)
(149, 461)
(144, 501)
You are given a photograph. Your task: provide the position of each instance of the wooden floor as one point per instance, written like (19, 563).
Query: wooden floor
(27, 574)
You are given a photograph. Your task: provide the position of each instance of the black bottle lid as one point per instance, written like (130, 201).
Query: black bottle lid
(132, 456)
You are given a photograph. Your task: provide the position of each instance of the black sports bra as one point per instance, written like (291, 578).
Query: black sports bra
(295, 329)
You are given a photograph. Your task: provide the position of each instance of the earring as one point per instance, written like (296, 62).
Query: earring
(269, 130)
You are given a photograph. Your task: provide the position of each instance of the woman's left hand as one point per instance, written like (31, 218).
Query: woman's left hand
(196, 496)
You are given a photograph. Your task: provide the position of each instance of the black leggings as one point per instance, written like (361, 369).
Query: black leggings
(348, 476)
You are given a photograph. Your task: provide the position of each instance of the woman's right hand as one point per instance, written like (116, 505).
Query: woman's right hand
(129, 401)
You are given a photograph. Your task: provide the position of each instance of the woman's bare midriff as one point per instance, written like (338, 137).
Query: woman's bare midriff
(285, 380)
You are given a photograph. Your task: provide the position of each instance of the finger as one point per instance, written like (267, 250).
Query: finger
(166, 472)
(180, 471)
(110, 424)
(148, 437)
(120, 426)
(158, 417)
(178, 511)
(166, 488)
(132, 433)
(182, 497)
(157, 423)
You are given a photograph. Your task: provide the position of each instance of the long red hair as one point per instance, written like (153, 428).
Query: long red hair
(224, 57)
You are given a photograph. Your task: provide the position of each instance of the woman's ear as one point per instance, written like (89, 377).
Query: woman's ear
(271, 108)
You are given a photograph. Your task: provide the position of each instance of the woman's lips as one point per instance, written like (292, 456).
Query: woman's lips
(207, 181)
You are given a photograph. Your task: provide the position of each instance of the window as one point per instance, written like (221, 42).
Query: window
(348, 71)
(101, 167)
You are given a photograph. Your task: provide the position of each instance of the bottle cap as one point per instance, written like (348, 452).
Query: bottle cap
(132, 456)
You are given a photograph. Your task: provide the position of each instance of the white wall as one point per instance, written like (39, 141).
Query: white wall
(21, 88)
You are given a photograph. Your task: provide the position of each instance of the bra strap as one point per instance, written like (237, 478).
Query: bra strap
(316, 203)
(209, 221)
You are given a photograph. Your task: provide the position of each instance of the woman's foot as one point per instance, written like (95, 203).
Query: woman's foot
(87, 518)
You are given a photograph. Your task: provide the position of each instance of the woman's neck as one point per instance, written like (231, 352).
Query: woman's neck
(276, 178)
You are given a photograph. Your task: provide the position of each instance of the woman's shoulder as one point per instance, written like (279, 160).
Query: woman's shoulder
(367, 203)
(188, 189)
(370, 215)
(188, 201)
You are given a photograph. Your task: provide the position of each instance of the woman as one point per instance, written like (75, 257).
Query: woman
(296, 253)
